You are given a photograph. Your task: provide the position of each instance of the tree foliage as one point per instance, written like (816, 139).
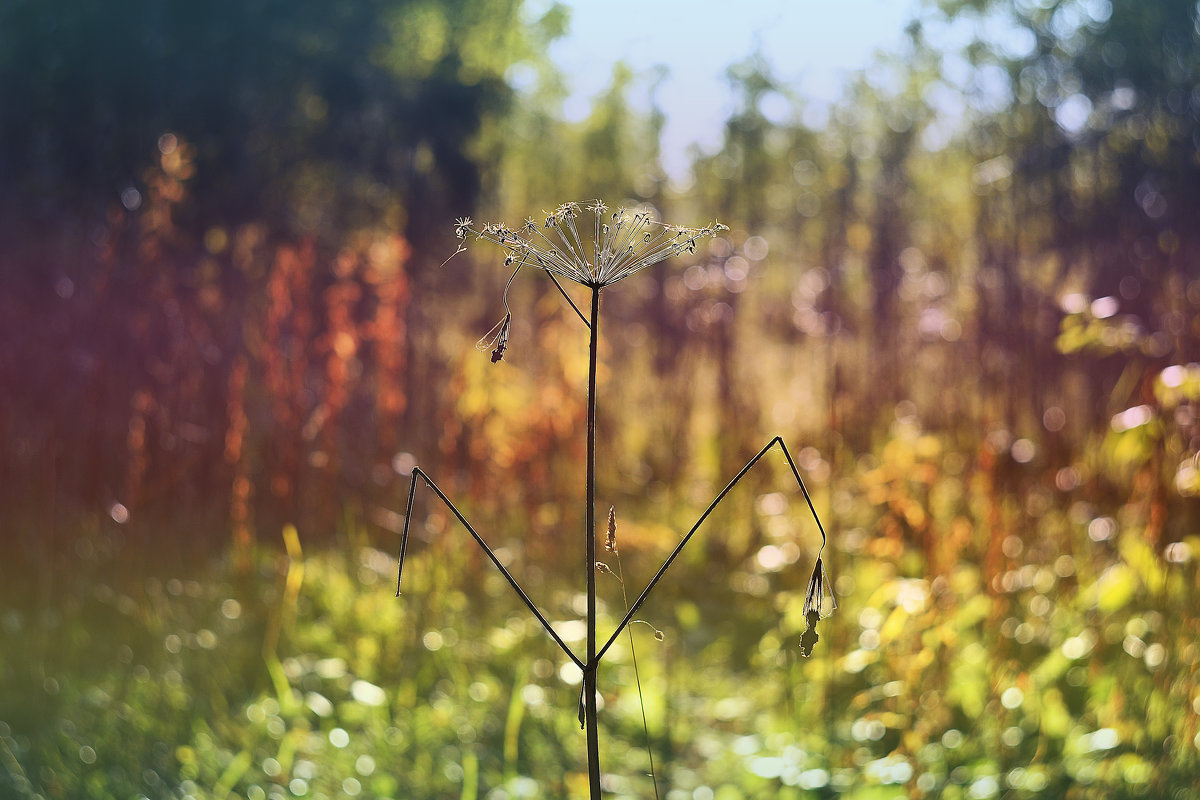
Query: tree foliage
(318, 117)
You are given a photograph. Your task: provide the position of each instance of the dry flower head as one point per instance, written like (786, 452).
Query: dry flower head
(622, 242)
(818, 602)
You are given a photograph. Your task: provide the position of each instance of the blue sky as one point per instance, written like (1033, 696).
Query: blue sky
(811, 45)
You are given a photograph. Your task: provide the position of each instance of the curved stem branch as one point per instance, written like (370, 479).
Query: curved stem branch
(778, 440)
(412, 492)
(570, 302)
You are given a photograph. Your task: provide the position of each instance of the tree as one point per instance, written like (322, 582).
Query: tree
(318, 117)
(204, 283)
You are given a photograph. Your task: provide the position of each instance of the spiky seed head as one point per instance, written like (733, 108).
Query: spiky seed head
(627, 243)
(610, 541)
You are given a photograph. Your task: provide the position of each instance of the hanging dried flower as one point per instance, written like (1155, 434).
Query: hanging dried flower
(659, 635)
(815, 606)
(496, 339)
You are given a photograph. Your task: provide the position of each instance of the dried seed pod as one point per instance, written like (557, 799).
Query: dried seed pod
(502, 340)
(819, 592)
(809, 638)
(610, 542)
(659, 635)
(496, 339)
(814, 606)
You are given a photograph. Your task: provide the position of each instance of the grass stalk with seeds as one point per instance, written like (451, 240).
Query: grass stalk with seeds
(610, 545)
(622, 242)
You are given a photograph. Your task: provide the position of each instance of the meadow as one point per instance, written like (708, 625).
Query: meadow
(1065, 665)
(964, 294)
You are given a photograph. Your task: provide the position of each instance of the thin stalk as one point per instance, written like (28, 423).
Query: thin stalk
(637, 604)
(419, 473)
(567, 297)
(591, 664)
(637, 674)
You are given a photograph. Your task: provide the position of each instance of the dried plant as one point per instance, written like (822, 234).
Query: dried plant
(622, 242)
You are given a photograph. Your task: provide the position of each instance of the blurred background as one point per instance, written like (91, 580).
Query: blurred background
(960, 280)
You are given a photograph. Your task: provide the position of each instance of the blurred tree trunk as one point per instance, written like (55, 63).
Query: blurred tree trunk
(889, 227)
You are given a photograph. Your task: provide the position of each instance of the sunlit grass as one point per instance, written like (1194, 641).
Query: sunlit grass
(1070, 672)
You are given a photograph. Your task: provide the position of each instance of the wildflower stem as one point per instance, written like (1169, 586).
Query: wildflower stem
(419, 474)
(637, 676)
(592, 663)
(688, 537)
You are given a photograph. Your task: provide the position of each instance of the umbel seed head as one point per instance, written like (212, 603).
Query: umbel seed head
(622, 242)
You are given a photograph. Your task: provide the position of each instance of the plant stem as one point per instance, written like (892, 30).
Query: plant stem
(637, 604)
(636, 674)
(591, 664)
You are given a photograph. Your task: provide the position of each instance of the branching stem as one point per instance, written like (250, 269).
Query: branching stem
(627, 257)
(412, 493)
(778, 440)
(570, 302)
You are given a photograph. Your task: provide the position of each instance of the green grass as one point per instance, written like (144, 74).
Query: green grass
(1074, 675)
